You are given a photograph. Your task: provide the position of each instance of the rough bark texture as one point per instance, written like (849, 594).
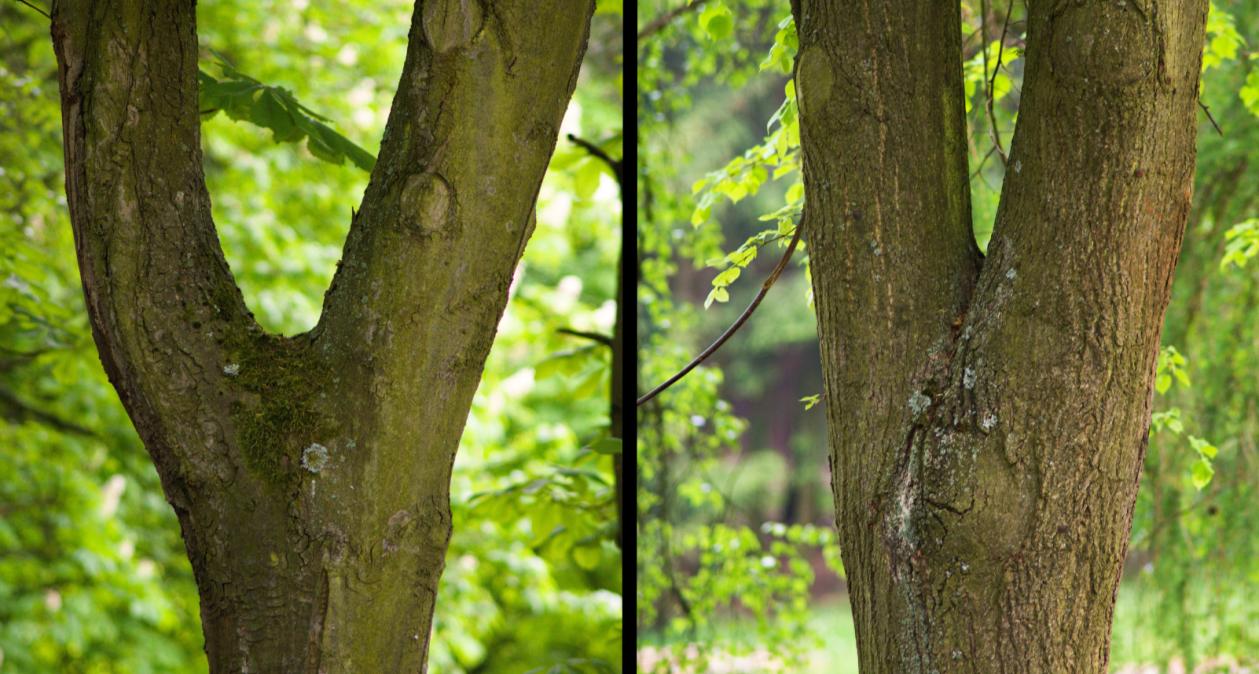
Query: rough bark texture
(311, 474)
(988, 416)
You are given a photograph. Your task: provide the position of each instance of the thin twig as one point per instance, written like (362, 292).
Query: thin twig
(1208, 111)
(983, 161)
(598, 153)
(734, 327)
(659, 23)
(592, 336)
(1148, 535)
(38, 9)
(988, 93)
(1001, 45)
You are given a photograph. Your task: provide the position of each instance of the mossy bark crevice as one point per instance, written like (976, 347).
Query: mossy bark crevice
(311, 473)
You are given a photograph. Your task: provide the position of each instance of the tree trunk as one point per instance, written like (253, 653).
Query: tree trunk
(988, 416)
(311, 474)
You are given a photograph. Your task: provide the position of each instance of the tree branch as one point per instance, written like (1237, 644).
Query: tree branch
(598, 153)
(159, 294)
(661, 22)
(988, 85)
(1208, 111)
(592, 336)
(37, 9)
(15, 410)
(734, 327)
(441, 177)
(1005, 27)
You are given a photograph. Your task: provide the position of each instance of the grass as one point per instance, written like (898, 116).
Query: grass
(1136, 640)
(830, 619)
(833, 620)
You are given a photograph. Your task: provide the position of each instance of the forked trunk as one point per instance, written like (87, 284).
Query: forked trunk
(311, 474)
(988, 415)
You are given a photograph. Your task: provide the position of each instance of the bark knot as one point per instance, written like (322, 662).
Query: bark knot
(428, 204)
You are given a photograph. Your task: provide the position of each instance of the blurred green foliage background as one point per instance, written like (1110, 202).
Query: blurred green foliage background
(738, 569)
(93, 576)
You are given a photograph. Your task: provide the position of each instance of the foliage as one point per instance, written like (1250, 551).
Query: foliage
(704, 553)
(1172, 366)
(1243, 243)
(242, 97)
(93, 575)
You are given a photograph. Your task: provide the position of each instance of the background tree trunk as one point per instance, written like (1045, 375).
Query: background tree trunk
(988, 416)
(311, 474)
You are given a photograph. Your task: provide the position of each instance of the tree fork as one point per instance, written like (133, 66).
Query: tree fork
(311, 473)
(988, 416)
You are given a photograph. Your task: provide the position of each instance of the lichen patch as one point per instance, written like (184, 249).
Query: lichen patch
(315, 457)
(989, 422)
(919, 402)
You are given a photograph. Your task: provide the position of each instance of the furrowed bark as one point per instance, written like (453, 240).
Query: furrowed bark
(894, 265)
(311, 474)
(988, 420)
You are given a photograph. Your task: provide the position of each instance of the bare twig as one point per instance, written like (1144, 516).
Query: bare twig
(597, 153)
(592, 336)
(36, 8)
(988, 93)
(613, 342)
(1208, 111)
(1005, 27)
(983, 161)
(734, 327)
(659, 23)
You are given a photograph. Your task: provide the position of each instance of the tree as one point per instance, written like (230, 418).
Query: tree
(988, 415)
(310, 474)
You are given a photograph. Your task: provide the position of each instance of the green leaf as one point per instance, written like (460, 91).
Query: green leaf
(586, 179)
(1223, 40)
(1204, 448)
(742, 257)
(1249, 92)
(716, 21)
(716, 295)
(243, 98)
(1201, 473)
(727, 277)
(701, 215)
(270, 112)
(587, 556)
(795, 193)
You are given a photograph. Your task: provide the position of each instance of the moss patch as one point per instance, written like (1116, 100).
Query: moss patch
(275, 417)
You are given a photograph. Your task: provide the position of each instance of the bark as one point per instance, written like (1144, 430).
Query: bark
(311, 474)
(988, 416)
